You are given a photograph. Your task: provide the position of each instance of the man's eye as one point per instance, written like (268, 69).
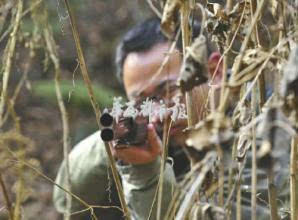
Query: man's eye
(154, 98)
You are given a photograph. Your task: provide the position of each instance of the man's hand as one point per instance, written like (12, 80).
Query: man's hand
(140, 154)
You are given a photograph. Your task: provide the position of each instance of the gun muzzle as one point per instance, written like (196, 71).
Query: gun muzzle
(106, 120)
(107, 134)
(127, 131)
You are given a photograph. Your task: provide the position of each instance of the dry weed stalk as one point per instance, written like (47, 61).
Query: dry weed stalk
(7, 62)
(10, 50)
(6, 198)
(254, 159)
(293, 177)
(51, 47)
(97, 112)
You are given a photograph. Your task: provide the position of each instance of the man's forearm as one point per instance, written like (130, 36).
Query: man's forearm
(140, 183)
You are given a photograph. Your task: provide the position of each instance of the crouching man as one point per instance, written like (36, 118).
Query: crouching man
(138, 58)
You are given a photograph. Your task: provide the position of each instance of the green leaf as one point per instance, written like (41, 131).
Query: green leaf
(75, 95)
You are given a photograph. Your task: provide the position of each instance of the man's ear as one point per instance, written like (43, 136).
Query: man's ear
(215, 74)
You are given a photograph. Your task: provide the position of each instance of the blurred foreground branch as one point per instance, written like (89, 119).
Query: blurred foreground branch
(97, 112)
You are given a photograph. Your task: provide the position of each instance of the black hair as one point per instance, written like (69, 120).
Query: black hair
(143, 37)
(140, 38)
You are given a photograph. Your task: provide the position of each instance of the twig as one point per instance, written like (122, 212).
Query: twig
(254, 158)
(221, 170)
(236, 184)
(190, 197)
(33, 6)
(6, 198)
(272, 195)
(256, 32)
(165, 140)
(226, 52)
(238, 202)
(293, 178)
(154, 9)
(153, 202)
(9, 56)
(186, 40)
(262, 91)
(96, 206)
(42, 22)
(232, 168)
(97, 112)
(18, 88)
(51, 46)
(179, 194)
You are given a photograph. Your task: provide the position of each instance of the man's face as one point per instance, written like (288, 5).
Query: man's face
(141, 77)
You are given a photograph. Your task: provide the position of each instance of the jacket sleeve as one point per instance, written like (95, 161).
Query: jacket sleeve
(88, 172)
(140, 183)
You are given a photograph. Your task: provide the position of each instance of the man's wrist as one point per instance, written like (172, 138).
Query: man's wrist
(140, 174)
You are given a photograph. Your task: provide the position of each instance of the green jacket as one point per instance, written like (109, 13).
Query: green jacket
(91, 180)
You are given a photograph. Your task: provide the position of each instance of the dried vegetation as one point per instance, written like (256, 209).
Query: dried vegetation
(258, 43)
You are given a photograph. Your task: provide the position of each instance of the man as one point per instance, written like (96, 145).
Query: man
(138, 58)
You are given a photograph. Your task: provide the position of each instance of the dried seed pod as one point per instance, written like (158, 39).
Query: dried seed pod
(194, 71)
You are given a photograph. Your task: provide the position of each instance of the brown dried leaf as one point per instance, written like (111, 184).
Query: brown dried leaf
(251, 62)
(200, 137)
(194, 70)
(217, 10)
(243, 145)
(215, 129)
(168, 22)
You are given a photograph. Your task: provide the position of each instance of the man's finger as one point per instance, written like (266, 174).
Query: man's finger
(135, 155)
(153, 139)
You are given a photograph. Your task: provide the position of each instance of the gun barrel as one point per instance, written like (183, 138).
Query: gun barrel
(106, 120)
(107, 134)
(128, 131)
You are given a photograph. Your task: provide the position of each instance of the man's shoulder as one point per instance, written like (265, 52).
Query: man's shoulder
(90, 140)
(89, 145)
